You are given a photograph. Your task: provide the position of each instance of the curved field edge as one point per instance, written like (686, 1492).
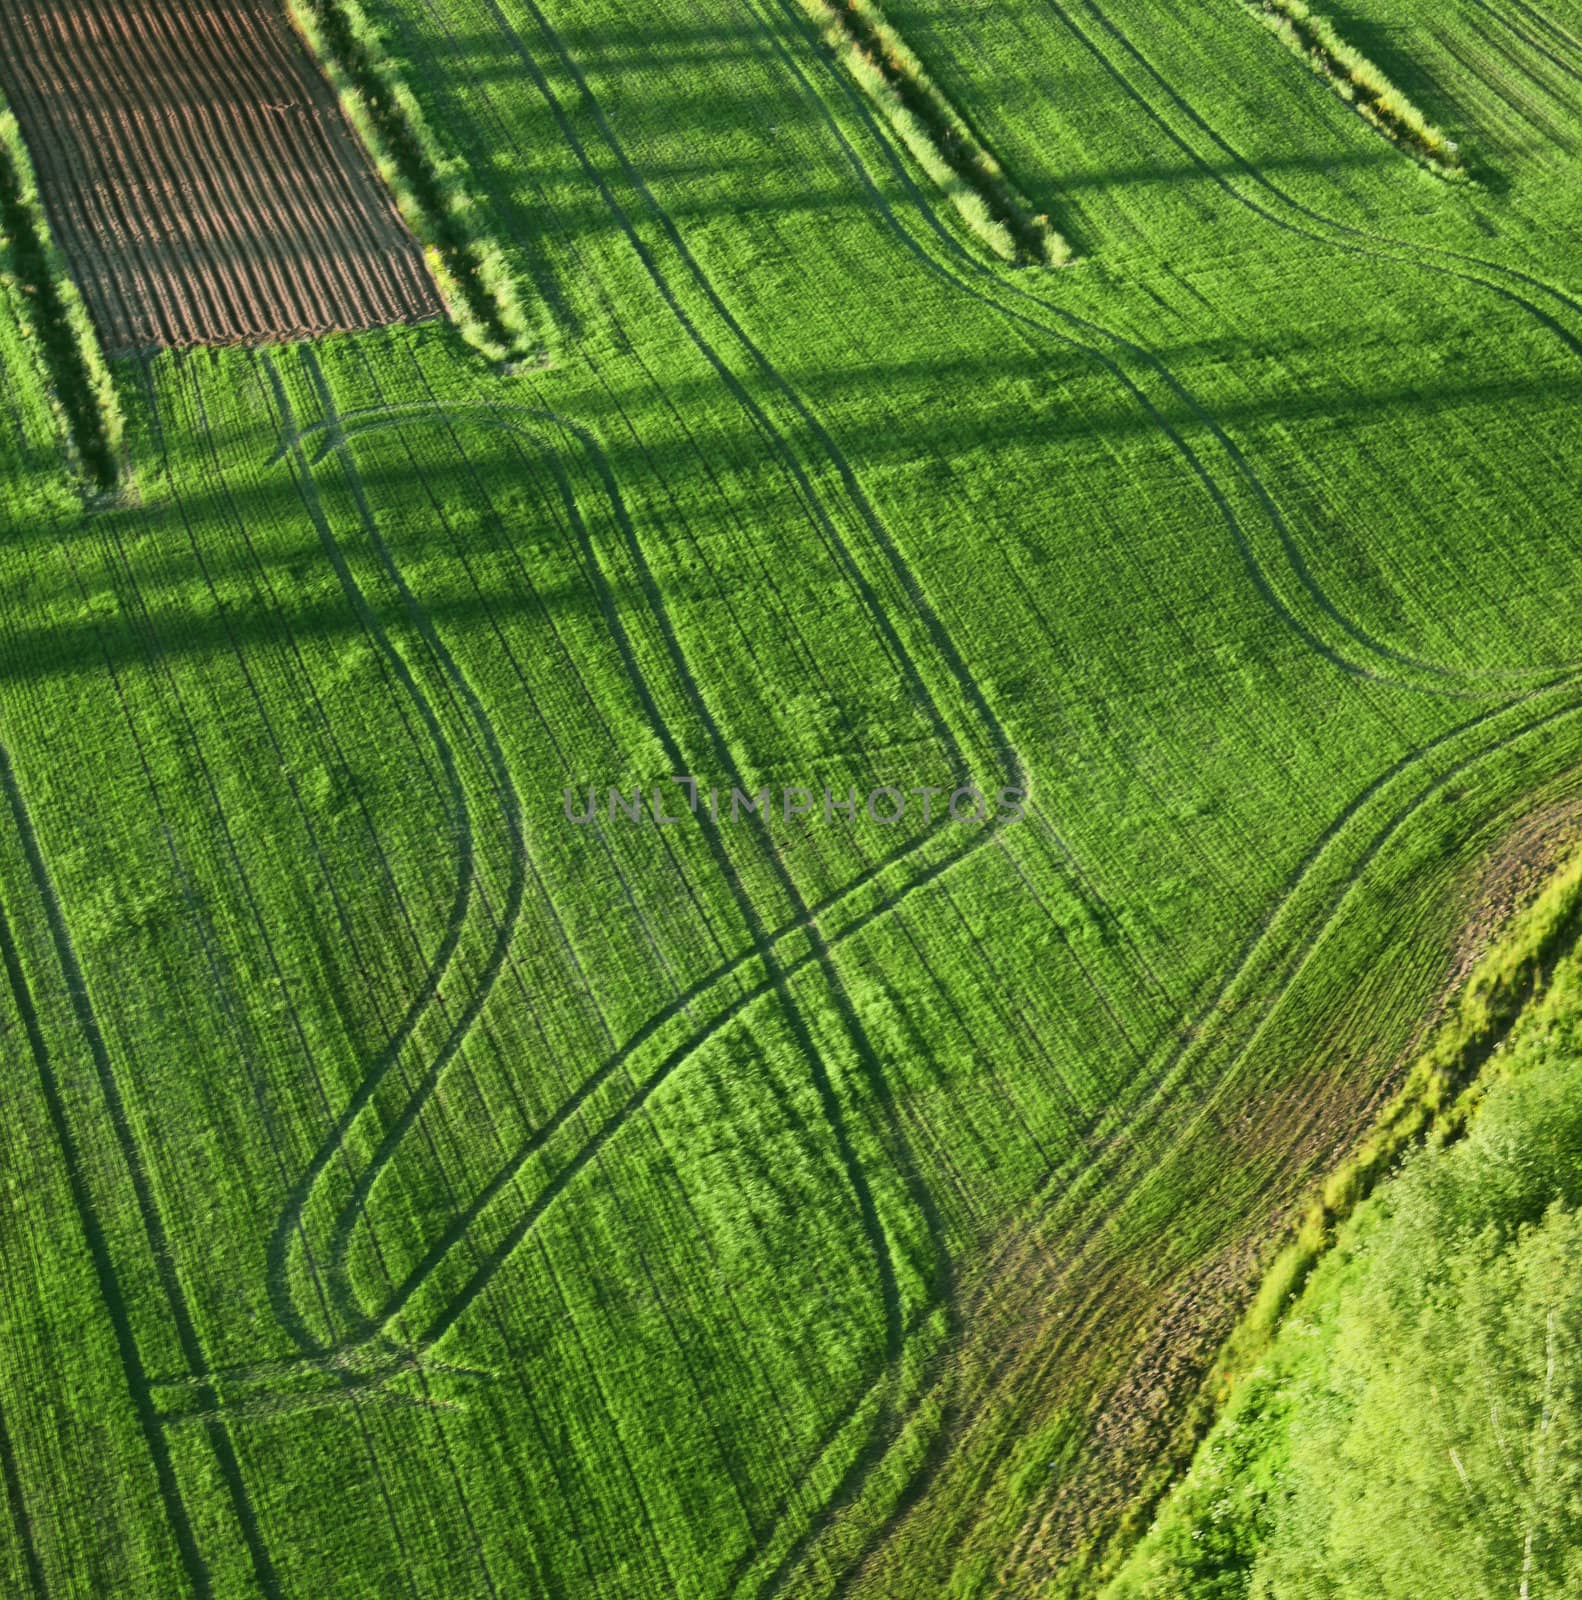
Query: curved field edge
(1426, 1372)
(35, 275)
(1442, 1092)
(1040, 1304)
(476, 274)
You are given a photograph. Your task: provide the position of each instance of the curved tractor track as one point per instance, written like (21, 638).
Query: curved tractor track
(1282, 210)
(920, 647)
(363, 1345)
(198, 172)
(371, 1355)
(1079, 1274)
(1279, 573)
(376, 1344)
(504, 919)
(1265, 545)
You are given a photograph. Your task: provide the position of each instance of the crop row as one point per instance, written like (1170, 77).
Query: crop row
(332, 686)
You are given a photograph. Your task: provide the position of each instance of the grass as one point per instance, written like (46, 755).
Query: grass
(404, 1190)
(947, 150)
(1313, 36)
(476, 275)
(1442, 1091)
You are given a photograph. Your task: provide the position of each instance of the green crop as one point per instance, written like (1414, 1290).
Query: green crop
(408, 1190)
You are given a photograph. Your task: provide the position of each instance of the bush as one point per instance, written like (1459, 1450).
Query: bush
(1361, 83)
(1448, 1292)
(941, 143)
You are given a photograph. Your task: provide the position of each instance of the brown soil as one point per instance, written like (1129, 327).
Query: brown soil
(198, 172)
(1069, 1323)
(1524, 861)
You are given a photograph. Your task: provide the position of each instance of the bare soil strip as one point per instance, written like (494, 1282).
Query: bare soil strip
(198, 172)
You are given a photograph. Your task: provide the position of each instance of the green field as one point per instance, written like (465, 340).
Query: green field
(410, 1191)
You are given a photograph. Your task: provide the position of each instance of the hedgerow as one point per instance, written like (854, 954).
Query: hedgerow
(943, 145)
(34, 270)
(1432, 1335)
(1359, 82)
(473, 270)
(1434, 1105)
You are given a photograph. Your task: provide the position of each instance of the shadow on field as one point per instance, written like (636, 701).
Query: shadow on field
(636, 52)
(752, 193)
(1390, 48)
(640, 74)
(1029, 406)
(188, 621)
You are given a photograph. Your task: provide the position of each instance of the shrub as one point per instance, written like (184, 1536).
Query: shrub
(940, 142)
(1361, 83)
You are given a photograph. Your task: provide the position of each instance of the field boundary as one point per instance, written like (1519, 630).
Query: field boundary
(52, 312)
(1435, 1104)
(471, 268)
(1362, 85)
(993, 209)
(1087, 1560)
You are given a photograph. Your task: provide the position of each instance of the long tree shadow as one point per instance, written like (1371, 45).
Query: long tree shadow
(41, 651)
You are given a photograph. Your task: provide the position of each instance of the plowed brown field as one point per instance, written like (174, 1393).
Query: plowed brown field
(197, 170)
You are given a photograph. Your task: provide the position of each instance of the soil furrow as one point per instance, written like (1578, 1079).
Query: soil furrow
(201, 176)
